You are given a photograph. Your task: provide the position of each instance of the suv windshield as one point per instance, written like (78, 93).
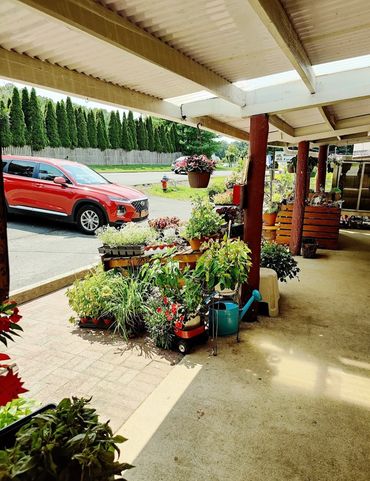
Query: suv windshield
(84, 175)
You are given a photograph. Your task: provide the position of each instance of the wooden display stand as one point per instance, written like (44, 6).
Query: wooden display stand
(185, 257)
(320, 222)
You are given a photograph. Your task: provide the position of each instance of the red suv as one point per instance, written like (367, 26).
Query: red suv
(70, 191)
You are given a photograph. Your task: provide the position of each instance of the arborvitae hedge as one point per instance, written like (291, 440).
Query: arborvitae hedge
(51, 125)
(17, 124)
(5, 135)
(63, 129)
(37, 136)
(113, 130)
(91, 129)
(132, 130)
(82, 138)
(26, 112)
(101, 131)
(72, 128)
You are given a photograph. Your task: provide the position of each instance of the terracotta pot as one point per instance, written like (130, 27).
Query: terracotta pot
(195, 244)
(269, 234)
(291, 169)
(269, 219)
(199, 180)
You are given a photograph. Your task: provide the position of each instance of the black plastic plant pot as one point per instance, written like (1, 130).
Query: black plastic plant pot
(309, 247)
(8, 434)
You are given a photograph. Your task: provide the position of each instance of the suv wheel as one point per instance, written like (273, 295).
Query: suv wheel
(89, 218)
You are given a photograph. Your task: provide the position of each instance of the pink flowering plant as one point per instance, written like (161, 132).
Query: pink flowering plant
(197, 163)
(165, 317)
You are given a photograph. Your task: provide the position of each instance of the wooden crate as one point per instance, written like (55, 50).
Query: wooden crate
(322, 223)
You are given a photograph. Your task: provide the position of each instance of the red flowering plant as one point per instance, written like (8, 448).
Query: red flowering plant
(10, 383)
(164, 318)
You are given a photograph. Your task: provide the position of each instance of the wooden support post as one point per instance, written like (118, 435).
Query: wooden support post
(259, 128)
(321, 167)
(299, 198)
(4, 258)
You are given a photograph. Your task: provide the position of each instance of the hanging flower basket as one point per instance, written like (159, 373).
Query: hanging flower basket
(199, 169)
(199, 180)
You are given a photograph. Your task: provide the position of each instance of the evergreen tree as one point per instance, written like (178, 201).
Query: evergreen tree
(17, 124)
(119, 128)
(142, 138)
(150, 131)
(51, 125)
(5, 135)
(26, 113)
(174, 138)
(157, 141)
(71, 119)
(91, 129)
(113, 130)
(126, 139)
(37, 136)
(62, 121)
(132, 130)
(169, 144)
(101, 131)
(163, 137)
(82, 138)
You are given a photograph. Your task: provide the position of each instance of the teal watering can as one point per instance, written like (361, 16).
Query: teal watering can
(227, 315)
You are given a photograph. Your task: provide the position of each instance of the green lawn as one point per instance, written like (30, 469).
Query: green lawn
(131, 168)
(181, 191)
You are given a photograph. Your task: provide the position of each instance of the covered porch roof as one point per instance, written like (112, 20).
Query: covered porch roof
(215, 62)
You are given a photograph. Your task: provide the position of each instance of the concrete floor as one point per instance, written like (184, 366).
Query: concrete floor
(290, 402)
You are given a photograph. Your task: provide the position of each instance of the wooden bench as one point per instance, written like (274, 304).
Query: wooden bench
(320, 222)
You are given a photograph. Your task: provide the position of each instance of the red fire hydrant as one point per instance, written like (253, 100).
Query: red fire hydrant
(164, 182)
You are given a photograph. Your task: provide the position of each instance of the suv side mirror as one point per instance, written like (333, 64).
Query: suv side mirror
(60, 180)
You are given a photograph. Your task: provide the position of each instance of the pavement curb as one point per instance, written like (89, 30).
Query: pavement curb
(26, 294)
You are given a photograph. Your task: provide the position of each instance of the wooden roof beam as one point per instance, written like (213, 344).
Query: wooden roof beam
(277, 22)
(21, 68)
(107, 26)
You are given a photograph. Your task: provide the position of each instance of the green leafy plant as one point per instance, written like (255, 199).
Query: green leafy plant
(129, 234)
(225, 263)
(16, 409)
(270, 208)
(127, 305)
(223, 198)
(68, 443)
(204, 220)
(215, 189)
(89, 297)
(111, 295)
(277, 257)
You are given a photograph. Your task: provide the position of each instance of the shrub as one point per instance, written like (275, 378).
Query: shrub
(224, 198)
(277, 257)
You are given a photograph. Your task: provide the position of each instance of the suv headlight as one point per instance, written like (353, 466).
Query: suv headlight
(117, 199)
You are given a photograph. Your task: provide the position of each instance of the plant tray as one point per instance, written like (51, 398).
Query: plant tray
(122, 251)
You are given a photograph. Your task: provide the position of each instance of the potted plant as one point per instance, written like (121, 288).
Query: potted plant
(199, 169)
(66, 443)
(162, 319)
(127, 241)
(224, 198)
(277, 257)
(161, 223)
(203, 222)
(225, 263)
(270, 212)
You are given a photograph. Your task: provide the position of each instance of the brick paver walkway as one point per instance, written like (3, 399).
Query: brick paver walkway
(57, 359)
